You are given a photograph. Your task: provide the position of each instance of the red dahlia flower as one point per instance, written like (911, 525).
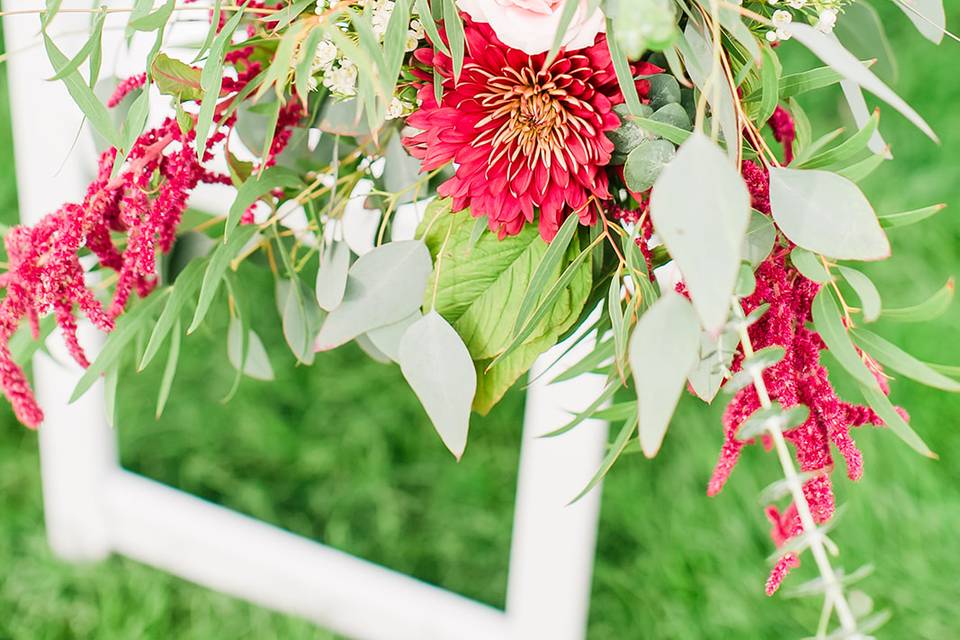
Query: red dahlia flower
(521, 134)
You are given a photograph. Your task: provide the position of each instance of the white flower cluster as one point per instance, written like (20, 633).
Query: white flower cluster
(339, 73)
(822, 13)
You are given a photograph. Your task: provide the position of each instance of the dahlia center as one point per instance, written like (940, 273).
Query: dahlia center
(527, 119)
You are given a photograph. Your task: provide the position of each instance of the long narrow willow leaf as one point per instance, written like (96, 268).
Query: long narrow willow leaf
(933, 307)
(566, 17)
(216, 268)
(211, 79)
(547, 267)
(622, 68)
(128, 327)
(546, 303)
(587, 413)
(184, 289)
(430, 26)
(394, 41)
(616, 448)
(603, 352)
(902, 219)
(892, 356)
(85, 51)
(83, 95)
(169, 370)
(674, 134)
(453, 25)
(846, 150)
(211, 32)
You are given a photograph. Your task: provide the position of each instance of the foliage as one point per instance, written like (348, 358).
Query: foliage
(667, 141)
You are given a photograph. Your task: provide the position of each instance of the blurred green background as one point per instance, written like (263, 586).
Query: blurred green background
(341, 452)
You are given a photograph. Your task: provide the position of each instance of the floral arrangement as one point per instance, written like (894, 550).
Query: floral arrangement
(636, 174)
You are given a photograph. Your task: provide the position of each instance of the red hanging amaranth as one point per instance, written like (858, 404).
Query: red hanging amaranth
(798, 378)
(143, 203)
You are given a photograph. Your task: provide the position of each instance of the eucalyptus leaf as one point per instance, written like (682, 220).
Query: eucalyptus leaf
(673, 115)
(301, 318)
(759, 238)
(827, 214)
(664, 348)
(698, 55)
(716, 356)
(256, 365)
(866, 291)
(332, 275)
(384, 286)
(809, 266)
(707, 248)
(437, 365)
(861, 31)
(387, 338)
(664, 90)
(928, 16)
(645, 163)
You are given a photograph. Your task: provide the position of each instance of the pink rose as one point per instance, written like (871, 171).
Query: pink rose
(530, 25)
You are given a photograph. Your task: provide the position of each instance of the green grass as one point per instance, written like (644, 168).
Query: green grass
(341, 452)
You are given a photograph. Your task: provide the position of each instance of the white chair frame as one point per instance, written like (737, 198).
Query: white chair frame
(93, 507)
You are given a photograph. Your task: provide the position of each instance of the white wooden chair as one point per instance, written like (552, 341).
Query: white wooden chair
(94, 507)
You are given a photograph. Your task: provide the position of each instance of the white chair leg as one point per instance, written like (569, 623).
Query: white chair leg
(77, 448)
(551, 560)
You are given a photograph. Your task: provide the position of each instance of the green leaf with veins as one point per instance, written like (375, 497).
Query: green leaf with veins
(478, 286)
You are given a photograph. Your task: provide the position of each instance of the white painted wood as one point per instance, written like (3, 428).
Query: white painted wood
(551, 562)
(93, 507)
(76, 446)
(241, 556)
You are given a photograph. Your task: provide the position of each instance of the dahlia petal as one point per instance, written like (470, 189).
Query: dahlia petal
(506, 171)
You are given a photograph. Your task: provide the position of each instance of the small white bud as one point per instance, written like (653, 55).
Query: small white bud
(781, 18)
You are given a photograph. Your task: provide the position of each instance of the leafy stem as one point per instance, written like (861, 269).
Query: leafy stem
(835, 597)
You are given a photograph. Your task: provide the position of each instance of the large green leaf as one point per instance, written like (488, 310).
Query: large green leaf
(479, 290)
(478, 287)
(494, 381)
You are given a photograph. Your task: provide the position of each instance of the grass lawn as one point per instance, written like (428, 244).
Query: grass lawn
(342, 452)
